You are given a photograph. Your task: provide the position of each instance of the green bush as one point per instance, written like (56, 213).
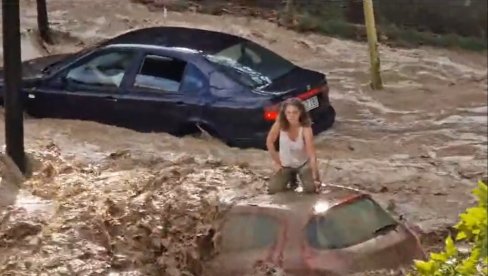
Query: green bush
(410, 37)
(472, 228)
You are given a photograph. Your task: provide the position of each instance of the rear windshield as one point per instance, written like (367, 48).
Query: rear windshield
(347, 225)
(249, 232)
(251, 64)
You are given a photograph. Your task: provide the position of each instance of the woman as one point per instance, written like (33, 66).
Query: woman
(296, 156)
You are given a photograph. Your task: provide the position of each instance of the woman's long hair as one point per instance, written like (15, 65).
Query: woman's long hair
(304, 118)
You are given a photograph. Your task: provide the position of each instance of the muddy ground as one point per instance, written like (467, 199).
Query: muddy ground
(418, 146)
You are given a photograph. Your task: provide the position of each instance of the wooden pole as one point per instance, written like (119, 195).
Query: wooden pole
(14, 128)
(376, 82)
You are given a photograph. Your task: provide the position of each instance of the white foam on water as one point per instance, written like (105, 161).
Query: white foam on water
(480, 109)
(458, 119)
(33, 204)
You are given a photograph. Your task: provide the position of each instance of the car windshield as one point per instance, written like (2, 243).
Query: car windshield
(71, 57)
(250, 64)
(349, 224)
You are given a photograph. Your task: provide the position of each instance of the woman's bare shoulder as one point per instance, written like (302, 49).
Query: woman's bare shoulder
(307, 130)
(276, 125)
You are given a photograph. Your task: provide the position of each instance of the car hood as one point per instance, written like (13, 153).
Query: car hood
(33, 68)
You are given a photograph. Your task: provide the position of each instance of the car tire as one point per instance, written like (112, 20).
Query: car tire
(30, 114)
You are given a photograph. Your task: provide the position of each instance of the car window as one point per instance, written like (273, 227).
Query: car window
(251, 64)
(249, 231)
(347, 225)
(194, 79)
(160, 73)
(106, 69)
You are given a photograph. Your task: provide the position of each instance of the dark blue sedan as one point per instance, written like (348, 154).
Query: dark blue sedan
(174, 80)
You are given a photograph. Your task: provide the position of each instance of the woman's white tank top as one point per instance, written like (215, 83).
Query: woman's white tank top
(292, 153)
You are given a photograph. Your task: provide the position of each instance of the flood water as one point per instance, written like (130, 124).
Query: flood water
(420, 144)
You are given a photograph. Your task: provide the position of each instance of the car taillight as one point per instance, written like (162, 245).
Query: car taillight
(271, 113)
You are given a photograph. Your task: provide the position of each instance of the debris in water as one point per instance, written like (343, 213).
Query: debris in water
(143, 218)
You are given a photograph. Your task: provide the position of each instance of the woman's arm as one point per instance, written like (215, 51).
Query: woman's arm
(310, 147)
(270, 143)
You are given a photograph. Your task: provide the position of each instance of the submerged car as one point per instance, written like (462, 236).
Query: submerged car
(176, 80)
(340, 231)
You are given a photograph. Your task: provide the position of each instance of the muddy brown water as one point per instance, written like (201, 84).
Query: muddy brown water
(419, 145)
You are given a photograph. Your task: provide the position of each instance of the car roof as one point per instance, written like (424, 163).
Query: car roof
(329, 196)
(202, 40)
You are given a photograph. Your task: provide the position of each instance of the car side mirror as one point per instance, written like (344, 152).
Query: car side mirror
(57, 81)
(63, 80)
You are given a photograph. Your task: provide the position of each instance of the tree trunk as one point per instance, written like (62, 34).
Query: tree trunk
(42, 21)
(289, 7)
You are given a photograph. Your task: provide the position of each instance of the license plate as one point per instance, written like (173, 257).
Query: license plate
(311, 103)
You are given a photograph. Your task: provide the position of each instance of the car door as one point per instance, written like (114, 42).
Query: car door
(85, 90)
(163, 94)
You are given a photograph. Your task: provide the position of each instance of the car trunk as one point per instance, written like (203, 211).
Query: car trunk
(309, 86)
(295, 83)
(391, 251)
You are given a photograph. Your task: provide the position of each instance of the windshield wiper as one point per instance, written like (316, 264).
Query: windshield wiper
(386, 228)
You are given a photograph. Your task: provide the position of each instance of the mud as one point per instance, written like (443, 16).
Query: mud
(418, 146)
(122, 216)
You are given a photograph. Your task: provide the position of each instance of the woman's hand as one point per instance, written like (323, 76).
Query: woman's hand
(316, 181)
(316, 176)
(273, 134)
(310, 148)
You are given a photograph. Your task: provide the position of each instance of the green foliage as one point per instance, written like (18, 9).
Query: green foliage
(388, 33)
(419, 22)
(410, 37)
(472, 228)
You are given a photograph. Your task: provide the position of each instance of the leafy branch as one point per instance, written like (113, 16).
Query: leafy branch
(471, 228)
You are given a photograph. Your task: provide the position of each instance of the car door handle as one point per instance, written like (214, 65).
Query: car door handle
(180, 103)
(111, 98)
